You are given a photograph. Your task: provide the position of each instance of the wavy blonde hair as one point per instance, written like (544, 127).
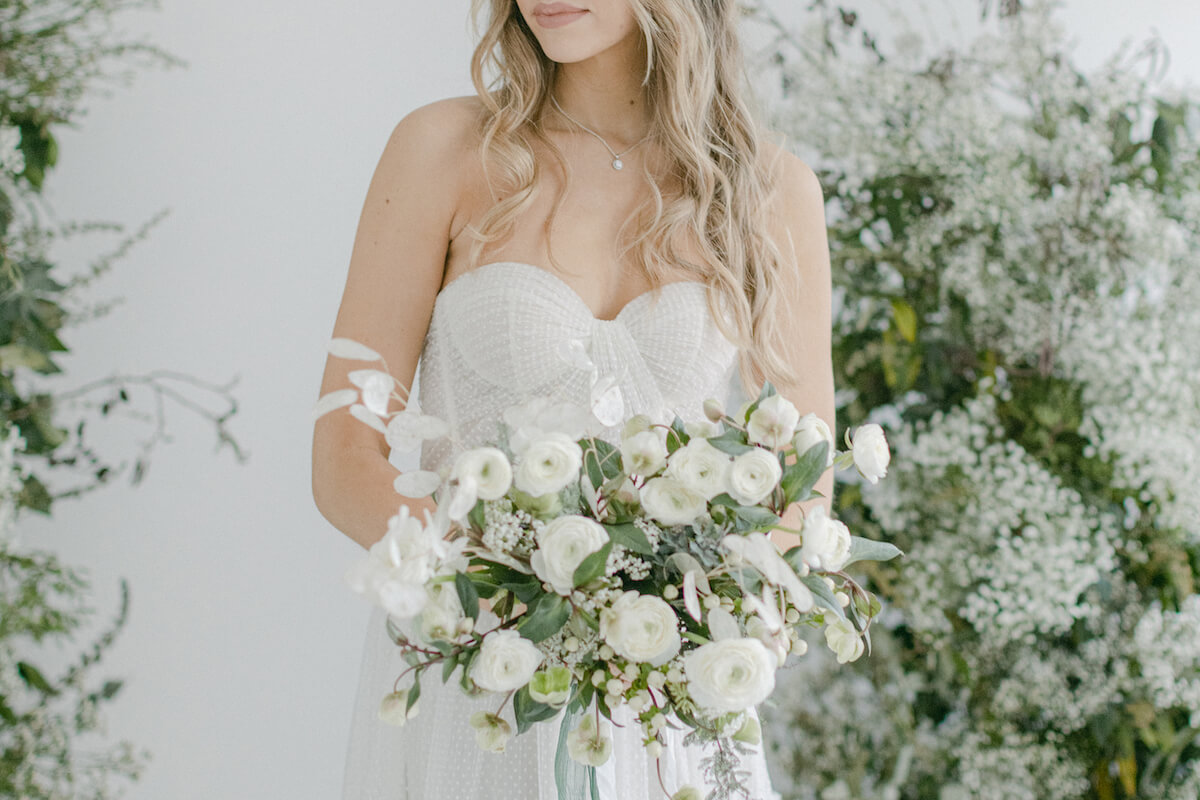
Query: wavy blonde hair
(703, 125)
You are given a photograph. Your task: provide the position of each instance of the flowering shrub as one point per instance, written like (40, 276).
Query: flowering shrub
(1015, 244)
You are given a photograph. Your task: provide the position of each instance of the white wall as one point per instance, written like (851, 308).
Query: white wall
(242, 646)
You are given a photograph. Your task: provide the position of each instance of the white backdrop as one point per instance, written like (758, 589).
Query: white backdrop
(241, 651)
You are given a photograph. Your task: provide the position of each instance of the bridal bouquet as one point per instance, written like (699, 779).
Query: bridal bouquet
(564, 571)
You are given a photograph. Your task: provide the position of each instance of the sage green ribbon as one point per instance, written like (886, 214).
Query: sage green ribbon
(574, 780)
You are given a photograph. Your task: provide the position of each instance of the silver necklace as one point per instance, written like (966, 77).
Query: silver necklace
(617, 163)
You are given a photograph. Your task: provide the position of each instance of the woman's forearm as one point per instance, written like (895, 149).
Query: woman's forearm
(357, 497)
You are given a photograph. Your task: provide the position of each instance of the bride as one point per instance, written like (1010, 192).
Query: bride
(607, 186)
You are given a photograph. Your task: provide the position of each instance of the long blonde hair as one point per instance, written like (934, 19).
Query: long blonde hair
(705, 128)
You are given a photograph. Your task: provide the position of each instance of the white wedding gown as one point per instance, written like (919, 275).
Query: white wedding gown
(496, 339)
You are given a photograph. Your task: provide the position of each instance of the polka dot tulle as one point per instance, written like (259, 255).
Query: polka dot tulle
(499, 336)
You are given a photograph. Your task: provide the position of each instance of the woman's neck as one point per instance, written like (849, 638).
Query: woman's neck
(604, 92)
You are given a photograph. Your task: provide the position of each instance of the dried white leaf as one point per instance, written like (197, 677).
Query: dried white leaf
(333, 400)
(348, 348)
(418, 483)
(366, 415)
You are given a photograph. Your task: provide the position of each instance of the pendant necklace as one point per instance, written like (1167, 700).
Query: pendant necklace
(617, 163)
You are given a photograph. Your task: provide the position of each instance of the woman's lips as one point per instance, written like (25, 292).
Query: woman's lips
(555, 15)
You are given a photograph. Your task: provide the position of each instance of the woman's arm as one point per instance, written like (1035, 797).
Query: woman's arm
(806, 310)
(395, 272)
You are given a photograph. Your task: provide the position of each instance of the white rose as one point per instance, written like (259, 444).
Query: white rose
(700, 467)
(753, 476)
(773, 422)
(670, 502)
(442, 614)
(641, 628)
(643, 453)
(562, 545)
(825, 542)
(548, 465)
(811, 431)
(394, 708)
(492, 732)
(757, 550)
(843, 640)
(870, 449)
(730, 675)
(489, 468)
(588, 745)
(506, 661)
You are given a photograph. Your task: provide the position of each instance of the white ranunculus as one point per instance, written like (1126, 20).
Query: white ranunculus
(700, 467)
(408, 428)
(641, 628)
(442, 614)
(492, 731)
(394, 708)
(562, 545)
(870, 450)
(588, 744)
(730, 675)
(701, 429)
(506, 661)
(548, 464)
(753, 476)
(757, 550)
(535, 418)
(669, 502)
(489, 468)
(811, 430)
(843, 640)
(825, 542)
(396, 568)
(643, 453)
(773, 422)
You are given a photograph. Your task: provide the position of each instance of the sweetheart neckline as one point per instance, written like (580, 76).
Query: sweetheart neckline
(566, 287)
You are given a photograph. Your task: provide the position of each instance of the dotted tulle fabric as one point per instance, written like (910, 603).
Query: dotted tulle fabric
(500, 335)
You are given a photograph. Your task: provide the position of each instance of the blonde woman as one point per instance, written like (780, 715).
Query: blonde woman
(609, 189)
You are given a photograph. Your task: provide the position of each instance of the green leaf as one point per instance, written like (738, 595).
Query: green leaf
(870, 550)
(448, 668)
(732, 442)
(677, 437)
(799, 478)
(34, 678)
(905, 317)
(601, 460)
(753, 516)
(527, 711)
(630, 537)
(475, 516)
(823, 594)
(592, 567)
(414, 692)
(545, 618)
(468, 595)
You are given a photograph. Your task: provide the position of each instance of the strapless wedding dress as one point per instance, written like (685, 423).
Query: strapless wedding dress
(500, 335)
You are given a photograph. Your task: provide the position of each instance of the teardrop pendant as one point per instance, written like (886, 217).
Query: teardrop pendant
(618, 163)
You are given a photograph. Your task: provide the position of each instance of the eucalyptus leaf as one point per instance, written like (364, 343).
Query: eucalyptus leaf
(870, 550)
(468, 595)
(630, 537)
(823, 594)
